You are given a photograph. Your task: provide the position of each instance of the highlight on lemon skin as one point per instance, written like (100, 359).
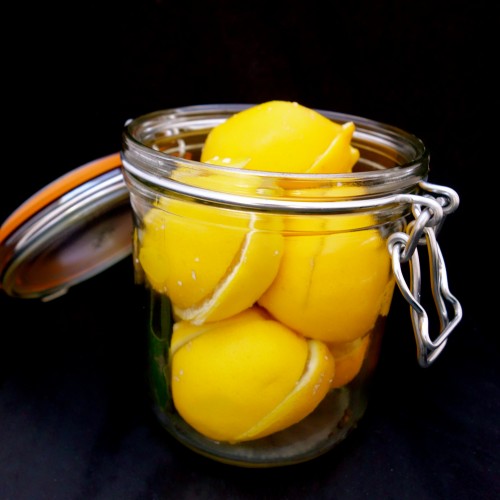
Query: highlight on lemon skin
(282, 136)
(246, 377)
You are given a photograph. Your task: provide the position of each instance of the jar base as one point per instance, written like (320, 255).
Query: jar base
(328, 425)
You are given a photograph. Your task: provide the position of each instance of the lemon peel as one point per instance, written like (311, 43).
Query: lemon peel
(185, 331)
(309, 391)
(340, 155)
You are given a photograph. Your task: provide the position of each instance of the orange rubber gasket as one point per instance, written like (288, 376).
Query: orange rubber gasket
(55, 190)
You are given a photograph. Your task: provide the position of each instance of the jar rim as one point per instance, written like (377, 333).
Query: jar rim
(406, 152)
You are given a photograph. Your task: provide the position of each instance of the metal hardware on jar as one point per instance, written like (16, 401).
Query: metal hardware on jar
(404, 249)
(390, 185)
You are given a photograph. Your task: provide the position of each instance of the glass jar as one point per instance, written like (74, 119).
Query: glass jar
(267, 293)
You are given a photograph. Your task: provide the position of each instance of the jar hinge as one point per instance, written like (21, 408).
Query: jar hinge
(403, 247)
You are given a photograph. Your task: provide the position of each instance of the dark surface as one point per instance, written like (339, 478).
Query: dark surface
(74, 421)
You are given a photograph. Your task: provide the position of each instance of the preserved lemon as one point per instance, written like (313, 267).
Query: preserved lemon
(247, 376)
(281, 136)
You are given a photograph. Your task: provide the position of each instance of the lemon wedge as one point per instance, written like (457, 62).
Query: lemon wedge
(212, 263)
(331, 284)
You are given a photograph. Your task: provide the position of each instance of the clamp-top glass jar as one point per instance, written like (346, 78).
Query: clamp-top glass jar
(267, 293)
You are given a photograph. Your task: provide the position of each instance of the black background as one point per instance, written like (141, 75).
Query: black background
(74, 423)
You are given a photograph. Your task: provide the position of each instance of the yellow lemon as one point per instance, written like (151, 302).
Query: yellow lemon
(349, 357)
(211, 262)
(331, 281)
(247, 376)
(281, 136)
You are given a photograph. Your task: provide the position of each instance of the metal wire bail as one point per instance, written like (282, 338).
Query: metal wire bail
(403, 247)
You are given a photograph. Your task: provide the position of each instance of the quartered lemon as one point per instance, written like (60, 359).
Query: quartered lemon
(332, 279)
(211, 262)
(282, 136)
(247, 376)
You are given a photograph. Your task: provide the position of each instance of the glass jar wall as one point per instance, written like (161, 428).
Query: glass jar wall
(266, 292)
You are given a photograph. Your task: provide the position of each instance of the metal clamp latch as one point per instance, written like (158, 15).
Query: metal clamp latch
(403, 247)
